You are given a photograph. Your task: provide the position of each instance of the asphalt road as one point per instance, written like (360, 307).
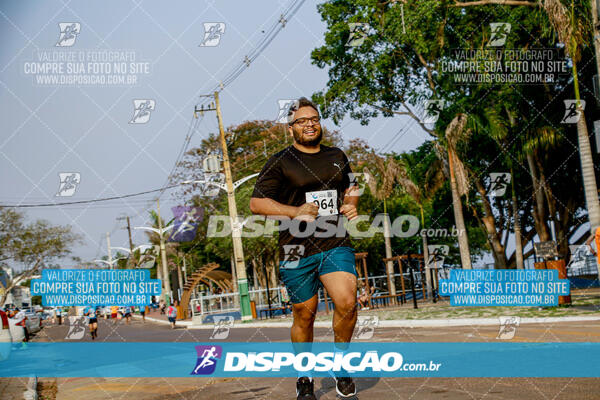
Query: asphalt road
(137, 331)
(369, 388)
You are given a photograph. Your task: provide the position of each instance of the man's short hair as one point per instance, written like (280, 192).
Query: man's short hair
(296, 105)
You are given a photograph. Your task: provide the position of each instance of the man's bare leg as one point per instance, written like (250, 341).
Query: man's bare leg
(341, 286)
(304, 319)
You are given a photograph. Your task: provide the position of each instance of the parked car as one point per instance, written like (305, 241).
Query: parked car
(17, 332)
(5, 336)
(33, 322)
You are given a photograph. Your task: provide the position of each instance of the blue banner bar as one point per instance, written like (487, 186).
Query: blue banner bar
(492, 288)
(279, 359)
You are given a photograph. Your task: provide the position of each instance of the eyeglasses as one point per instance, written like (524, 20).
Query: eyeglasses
(304, 121)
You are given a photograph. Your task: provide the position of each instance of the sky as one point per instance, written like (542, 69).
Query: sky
(60, 127)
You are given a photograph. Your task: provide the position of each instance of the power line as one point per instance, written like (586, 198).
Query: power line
(258, 49)
(86, 201)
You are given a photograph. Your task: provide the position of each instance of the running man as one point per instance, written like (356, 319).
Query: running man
(127, 314)
(90, 312)
(143, 313)
(114, 311)
(59, 315)
(290, 186)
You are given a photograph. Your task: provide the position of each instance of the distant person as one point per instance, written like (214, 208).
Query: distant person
(595, 237)
(90, 312)
(162, 306)
(59, 315)
(172, 315)
(143, 313)
(363, 297)
(114, 311)
(127, 314)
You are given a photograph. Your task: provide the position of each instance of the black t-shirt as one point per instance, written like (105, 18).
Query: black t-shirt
(287, 177)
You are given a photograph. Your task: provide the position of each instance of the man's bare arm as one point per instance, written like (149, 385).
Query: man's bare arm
(590, 240)
(350, 203)
(270, 207)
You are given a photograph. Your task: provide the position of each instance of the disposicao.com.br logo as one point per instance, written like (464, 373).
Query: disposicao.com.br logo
(354, 362)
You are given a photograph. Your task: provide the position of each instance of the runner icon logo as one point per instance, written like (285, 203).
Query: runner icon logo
(437, 255)
(365, 326)
(572, 114)
(222, 325)
(508, 327)
(212, 34)
(360, 179)
(498, 183)
(284, 108)
(141, 110)
(499, 32)
(207, 359)
(68, 33)
(76, 328)
(432, 111)
(292, 254)
(358, 33)
(68, 183)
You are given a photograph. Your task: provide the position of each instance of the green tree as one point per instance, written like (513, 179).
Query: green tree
(30, 247)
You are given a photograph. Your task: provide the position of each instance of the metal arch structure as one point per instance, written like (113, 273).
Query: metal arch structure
(197, 277)
(222, 279)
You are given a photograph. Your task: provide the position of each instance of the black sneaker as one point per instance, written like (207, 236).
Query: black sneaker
(305, 389)
(345, 387)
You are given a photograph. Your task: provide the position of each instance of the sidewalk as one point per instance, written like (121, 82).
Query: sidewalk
(17, 388)
(399, 323)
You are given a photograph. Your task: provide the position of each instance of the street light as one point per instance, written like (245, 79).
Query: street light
(221, 186)
(236, 228)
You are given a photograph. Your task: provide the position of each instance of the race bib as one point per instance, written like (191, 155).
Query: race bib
(326, 200)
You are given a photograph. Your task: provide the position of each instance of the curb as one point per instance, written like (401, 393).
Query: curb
(399, 323)
(31, 392)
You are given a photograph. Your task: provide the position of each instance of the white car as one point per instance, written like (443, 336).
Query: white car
(17, 332)
(33, 322)
(5, 337)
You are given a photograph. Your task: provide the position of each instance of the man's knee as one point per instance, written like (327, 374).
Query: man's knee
(346, 305)
(303, 316)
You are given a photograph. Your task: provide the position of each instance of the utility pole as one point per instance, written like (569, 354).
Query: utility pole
(108, 248)
(130, 261)
(238, 249)
(129, 232)
(163, 255)
(180, 280)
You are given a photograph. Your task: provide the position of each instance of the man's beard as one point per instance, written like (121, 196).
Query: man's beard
(299, 138)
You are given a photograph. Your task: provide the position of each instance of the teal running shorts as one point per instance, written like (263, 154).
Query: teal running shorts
(301, 277)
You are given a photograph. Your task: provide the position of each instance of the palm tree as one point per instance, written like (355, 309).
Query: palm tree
(498, 122)
(381, 186)
(571, 32)
(154, 238)
(421, 191)
(455, 133)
